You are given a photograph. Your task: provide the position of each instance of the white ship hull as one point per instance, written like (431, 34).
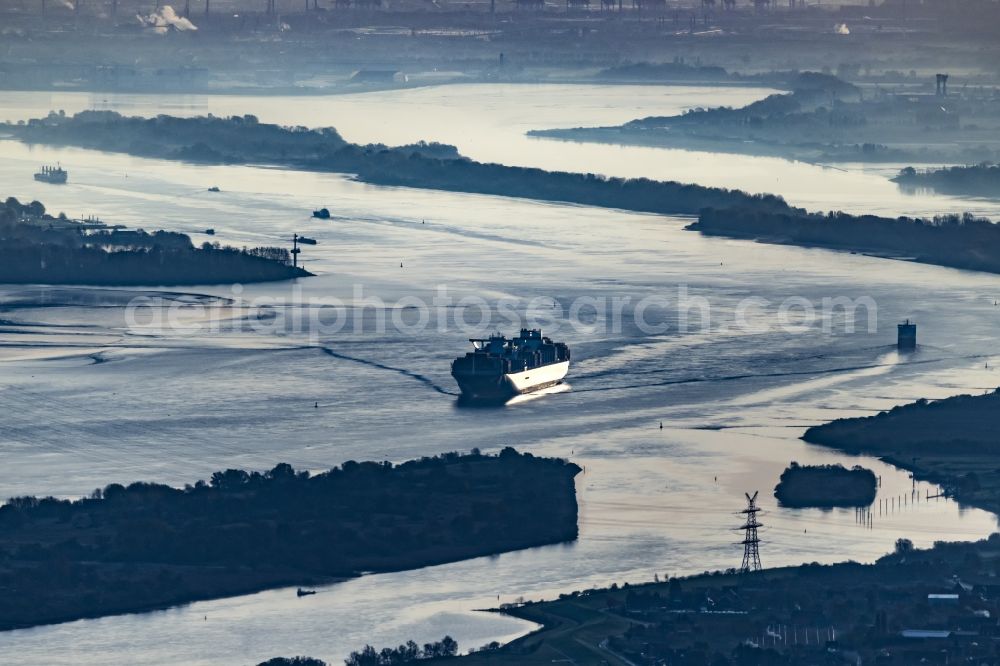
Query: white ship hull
(537, 378)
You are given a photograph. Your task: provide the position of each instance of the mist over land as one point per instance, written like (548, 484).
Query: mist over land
(977, 180)
(321, 44)
(825, 119)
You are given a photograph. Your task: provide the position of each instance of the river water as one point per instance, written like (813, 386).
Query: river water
(89, 400)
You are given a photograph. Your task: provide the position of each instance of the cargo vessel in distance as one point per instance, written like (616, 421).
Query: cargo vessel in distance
(500, 368)
(55, 175)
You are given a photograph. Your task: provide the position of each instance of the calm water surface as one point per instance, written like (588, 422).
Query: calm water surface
(88, 401)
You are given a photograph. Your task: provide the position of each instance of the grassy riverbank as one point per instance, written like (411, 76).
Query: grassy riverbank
(805, 615)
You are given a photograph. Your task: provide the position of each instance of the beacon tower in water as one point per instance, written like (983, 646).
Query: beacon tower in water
(906, 336)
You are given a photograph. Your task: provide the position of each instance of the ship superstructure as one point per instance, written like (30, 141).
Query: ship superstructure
(55, 175)
(500, 368)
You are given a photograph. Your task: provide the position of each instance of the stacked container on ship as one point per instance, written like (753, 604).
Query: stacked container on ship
(500, 368)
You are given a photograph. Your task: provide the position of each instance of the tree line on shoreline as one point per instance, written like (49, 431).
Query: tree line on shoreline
(245, 140)
(958, 241)
(145, 545)
(974, 180)
(36, 247)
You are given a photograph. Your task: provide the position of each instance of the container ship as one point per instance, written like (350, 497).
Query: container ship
(55, 175)
(499, 368)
